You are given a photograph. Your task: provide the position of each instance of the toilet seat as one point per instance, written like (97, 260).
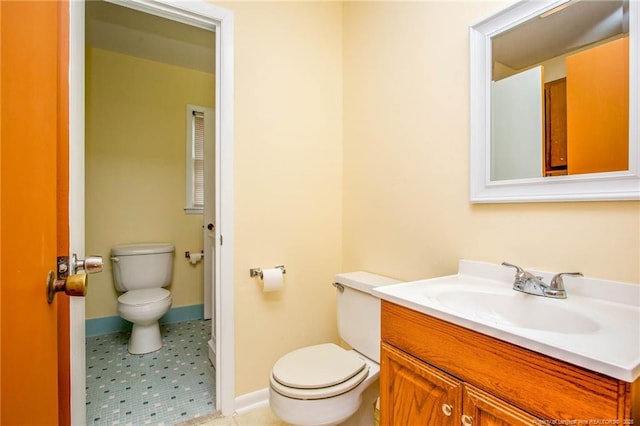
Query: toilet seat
(317, 372)
(143, 297)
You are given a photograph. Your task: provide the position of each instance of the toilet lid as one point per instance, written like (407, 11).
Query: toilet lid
(319, 393)
(141, 248)
(318, 366)
(142, 297)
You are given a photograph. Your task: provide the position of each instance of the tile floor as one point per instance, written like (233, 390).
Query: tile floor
(258, 417)
(166, 387)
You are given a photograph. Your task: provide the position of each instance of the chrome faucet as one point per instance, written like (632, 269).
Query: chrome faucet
(556, 286)
(526, 282)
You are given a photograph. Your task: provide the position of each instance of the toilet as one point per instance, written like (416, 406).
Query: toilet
(322, 385)
(141, 271)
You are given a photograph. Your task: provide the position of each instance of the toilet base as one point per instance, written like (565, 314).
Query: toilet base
(144, 339)
(326, 411)
(320, 412)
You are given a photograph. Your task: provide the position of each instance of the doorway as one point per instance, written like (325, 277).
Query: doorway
(202, 15)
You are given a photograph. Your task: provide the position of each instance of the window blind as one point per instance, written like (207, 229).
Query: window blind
(198, 159)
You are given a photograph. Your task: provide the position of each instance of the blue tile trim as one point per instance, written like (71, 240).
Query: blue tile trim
(183, 313)
(106, 325)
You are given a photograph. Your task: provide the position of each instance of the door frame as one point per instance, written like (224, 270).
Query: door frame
(205, 15)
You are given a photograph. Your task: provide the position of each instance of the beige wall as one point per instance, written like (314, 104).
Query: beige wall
(135, 167)
(288, 178)
(406, 136)
(351, 152)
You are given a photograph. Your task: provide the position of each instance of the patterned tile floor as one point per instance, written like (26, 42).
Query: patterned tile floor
(166, 387)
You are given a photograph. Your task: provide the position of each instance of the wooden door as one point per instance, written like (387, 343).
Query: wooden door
(413, 393)
(483, 409)
(555, 135)
(598, 108)
(33, 211)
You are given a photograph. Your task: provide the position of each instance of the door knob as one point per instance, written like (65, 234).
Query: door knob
(72, 285)
(68, 281)
(90, 265)
(211, 227)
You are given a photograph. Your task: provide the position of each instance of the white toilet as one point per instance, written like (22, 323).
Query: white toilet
(322, 385)
(141, 271)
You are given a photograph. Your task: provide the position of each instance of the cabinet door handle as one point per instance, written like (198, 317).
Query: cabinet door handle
(447, 409)
(467, 420)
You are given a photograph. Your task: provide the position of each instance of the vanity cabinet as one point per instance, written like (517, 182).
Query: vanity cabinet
(418, 393)
(437, 373)
(481, 408)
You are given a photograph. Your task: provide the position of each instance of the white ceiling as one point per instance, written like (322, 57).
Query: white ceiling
(127, 31)
(541, 38)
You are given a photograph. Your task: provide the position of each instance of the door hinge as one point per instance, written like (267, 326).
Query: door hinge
(220, 239)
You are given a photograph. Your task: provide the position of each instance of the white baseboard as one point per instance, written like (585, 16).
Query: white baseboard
(252, 401)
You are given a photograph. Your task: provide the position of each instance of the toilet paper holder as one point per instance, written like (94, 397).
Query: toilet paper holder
(257, 272)
(187, 254)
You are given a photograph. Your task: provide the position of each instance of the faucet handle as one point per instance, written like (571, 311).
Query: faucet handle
(519, 270)
(556, 286)
(521, 274)
(520, 278)
(557, 283)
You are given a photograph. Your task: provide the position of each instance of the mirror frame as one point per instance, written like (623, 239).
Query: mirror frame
(609, 186)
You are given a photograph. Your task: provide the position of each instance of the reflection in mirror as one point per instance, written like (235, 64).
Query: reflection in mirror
(560, 92)
(554, 106)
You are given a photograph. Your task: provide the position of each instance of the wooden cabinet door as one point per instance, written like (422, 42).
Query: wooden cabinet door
(483, 409)
(413, 393)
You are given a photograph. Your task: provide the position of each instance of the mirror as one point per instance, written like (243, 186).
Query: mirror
(554, 103)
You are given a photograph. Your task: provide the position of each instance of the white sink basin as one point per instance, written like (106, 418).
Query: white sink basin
(597, 327)
(510, 308)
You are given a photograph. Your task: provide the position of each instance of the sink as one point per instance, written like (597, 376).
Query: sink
(597, 327)
(512, 309)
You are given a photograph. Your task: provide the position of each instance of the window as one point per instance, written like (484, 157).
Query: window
(195, 160)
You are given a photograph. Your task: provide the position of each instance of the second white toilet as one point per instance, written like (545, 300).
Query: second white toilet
(141, 271)
(322, 385)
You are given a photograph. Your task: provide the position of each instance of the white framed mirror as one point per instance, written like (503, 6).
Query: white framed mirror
(517, 135)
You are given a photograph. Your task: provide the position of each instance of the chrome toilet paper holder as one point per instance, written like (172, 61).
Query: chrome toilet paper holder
(257, 272)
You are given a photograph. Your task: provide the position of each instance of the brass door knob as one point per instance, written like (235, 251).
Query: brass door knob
(76, 285)
(73, 285)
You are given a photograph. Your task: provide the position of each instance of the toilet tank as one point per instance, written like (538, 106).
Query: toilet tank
(142, 265)
(359, 311)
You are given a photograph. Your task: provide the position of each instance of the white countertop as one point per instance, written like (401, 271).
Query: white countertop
(597, 327)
